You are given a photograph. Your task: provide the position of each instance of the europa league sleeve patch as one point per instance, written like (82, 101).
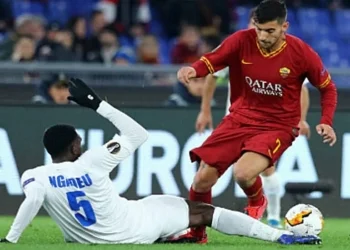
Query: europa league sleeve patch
(26, 182)
(113, 147)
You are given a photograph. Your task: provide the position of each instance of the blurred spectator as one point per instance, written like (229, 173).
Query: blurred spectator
(24, 50)
(209, 43)
(108, 47)
(53, 91)
(93, 44)
(186, 49)
(213, 16)
(136, 32)
(98, 22)
(53, 30)
(25, 25)
(191, 96)
(65, 38)
(81, 39)
(78, 26)
(124, 56)
(148, 50)
(56, 45)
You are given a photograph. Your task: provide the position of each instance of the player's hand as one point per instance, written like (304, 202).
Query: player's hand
(82, 94)
(204, 119)
(4, 240)
(304, 129)
(185, 74)
(327, 133)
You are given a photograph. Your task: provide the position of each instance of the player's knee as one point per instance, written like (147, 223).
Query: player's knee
(269, 171)
(201, 185)
(205, 179)
(242, 175)
(249, 166)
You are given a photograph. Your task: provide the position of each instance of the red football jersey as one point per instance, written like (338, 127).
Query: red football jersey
(269, 84)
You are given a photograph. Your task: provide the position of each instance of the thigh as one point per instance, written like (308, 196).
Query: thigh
(223, 146)
(170, 214)
(270, 143)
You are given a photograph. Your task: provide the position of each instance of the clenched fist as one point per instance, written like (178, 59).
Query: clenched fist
(327, 133)
(185, 74)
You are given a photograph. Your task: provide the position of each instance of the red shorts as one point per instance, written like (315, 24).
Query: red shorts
(231, 138)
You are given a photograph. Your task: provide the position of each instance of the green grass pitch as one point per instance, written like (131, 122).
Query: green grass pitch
(43, 234)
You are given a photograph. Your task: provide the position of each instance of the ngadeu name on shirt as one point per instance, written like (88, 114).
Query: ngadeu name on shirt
(61, 181)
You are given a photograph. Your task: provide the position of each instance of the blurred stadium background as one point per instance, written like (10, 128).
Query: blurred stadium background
(130, 51)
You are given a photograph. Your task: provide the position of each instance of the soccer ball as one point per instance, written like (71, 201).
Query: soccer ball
(304, 219)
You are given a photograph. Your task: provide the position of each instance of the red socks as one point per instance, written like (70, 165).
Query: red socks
(255, 193)
(199, 232)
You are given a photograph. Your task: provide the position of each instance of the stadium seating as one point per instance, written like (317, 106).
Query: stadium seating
(342, 20)
(24, 7)
(327, 32)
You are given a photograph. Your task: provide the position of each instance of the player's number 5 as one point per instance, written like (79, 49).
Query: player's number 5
(89, 218)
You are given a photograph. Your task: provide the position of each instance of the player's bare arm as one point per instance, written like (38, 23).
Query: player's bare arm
(205, 118)
(304, 104)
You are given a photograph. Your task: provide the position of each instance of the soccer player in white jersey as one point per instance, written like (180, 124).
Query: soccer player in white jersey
(78, 194)
(270, 178)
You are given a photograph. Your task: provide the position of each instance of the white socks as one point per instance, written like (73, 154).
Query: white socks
(236, 223)
(272, 189)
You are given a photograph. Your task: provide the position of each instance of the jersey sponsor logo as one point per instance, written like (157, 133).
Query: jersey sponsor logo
(264, 87)
(284, 72)
(25, 183)
(244, 62)
(61, 181)
(113, 147)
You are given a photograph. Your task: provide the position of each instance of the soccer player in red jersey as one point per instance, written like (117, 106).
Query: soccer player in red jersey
(270, 179)
(269, 67)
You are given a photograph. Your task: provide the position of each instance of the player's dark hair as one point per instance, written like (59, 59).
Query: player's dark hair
(252, 13)
(58, 138)
(271, 10)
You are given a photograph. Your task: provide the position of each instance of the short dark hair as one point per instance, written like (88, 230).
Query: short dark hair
(58, 138)
(252, 13)
(271, 10)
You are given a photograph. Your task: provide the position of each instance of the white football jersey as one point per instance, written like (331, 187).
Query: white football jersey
(80, 196)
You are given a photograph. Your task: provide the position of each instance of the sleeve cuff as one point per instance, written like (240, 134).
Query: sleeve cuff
(104, 108)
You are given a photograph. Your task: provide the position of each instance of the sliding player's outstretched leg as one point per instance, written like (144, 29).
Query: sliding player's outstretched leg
(236, 223)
